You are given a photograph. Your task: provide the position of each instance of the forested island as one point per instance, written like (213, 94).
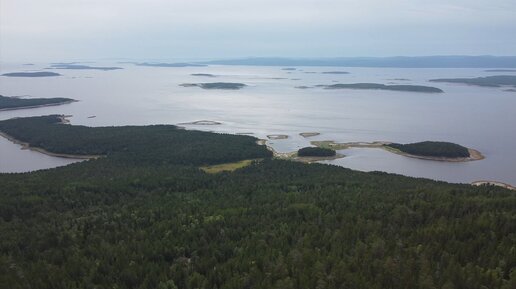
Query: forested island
(216, 85)
(11, 103)
(150, 214)
(433, 149)
(315, 152)
(378, 86)
(32, 74)
(427, 150)
(82, 67)
(488, 81)
(163, 64)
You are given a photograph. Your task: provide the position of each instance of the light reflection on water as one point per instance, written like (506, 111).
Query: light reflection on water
(476, 117)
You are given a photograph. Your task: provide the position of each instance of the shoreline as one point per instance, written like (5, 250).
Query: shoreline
(38, 106)
(293, 155)
(493, 183)
(474, 154)
(27, 146)
(201, 122)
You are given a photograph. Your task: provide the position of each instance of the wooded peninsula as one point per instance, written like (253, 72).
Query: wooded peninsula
(159, 211)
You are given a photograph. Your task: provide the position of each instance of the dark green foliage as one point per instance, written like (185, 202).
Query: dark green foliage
(490, 81)
(216, 85)
(315, 152)
(156, 144)
(433, 149)
(106, 223)
(14, 103)
(414, 88)
(31, 74)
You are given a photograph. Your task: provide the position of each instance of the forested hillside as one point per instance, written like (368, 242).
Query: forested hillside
(110, 223)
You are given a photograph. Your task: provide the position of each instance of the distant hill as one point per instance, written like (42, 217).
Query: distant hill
(398, 61)
(414, 88)
(490, 81)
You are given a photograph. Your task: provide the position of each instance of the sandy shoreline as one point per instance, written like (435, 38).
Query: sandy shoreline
(309, 134)
(27, 146)
(277, 136)
(293, 155)
(38, 106)
(493, 183)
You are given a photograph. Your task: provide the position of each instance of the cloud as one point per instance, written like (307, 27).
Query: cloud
(213, 28)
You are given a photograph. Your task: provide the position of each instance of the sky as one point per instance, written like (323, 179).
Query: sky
(59, 30)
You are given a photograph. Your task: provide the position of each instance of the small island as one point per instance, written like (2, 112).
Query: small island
(12, 103)
(81, 67)
(432, 149)
(201, 122)
(426, 150)
(180, 64)
(488, 81)
(216, 85)
(32, 74)
(289, 68)
(309, 134)
(335, 72)
(203, 74)
(378, 86)
(316, 152)
(277, 136)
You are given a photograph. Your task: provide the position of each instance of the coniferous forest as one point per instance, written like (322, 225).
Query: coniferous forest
(144, 215)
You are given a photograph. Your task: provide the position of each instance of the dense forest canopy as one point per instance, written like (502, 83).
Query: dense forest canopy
(156, 144)
(433, 149)
(315, 152)
(110, 223)
(7, 102)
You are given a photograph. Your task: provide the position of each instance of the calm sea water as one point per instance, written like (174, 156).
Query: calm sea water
(477, 117)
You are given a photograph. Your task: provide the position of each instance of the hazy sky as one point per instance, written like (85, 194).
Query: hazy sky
(32, 30)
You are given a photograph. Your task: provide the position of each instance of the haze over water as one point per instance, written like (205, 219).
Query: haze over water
(472, 116)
